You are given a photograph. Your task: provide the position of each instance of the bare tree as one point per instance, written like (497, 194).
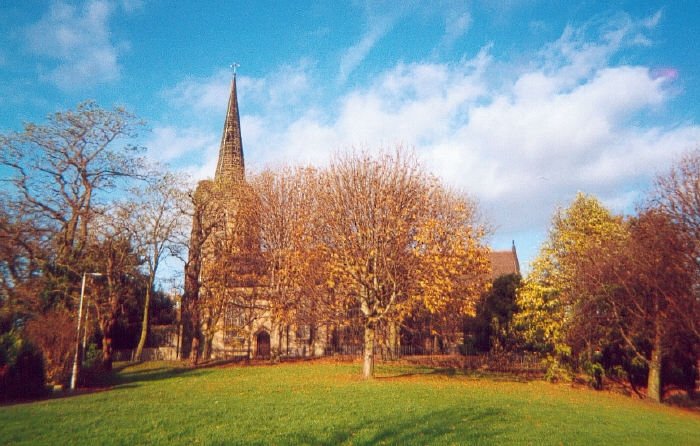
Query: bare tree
(157, 222)
(22, 254)
(207, 218)
(59, 170)
(677, 193)
(113, 255)
(231, 278)
(60, 179)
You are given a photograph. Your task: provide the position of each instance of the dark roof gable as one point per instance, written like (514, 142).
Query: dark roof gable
(504, 262)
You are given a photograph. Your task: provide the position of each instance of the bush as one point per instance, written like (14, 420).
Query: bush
(54, 334)
(595, 372)
(680, 369)
(592, 361)
(91, 373)
(22, 371)
(638, 372)
(556, 370)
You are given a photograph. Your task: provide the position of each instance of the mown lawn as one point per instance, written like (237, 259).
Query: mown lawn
(327, 403)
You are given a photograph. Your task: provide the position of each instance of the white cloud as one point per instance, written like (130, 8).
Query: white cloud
(264, 102)
(280, 89)
(203, 95)
(457, 24)
(569, 120)
(77, 40)
(380, 19)
(170, 144)
(132, 5)
(354, 55)
(566, 122)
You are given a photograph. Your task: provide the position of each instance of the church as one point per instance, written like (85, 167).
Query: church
(233, 330)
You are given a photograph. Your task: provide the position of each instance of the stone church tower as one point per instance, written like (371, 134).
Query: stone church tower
(215, 239)
(224, 281)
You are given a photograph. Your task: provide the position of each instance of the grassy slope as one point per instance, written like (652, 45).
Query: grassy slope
(329, 404)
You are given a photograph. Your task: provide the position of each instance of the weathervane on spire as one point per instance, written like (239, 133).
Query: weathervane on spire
(234, 66)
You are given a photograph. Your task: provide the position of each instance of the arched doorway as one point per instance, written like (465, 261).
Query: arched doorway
(262, 347)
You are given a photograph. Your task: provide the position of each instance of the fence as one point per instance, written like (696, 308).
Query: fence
(504, 362)
(496, 362)
(148, 354)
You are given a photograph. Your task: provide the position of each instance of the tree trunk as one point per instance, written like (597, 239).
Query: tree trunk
(107, 354)
(107, 351)
(196, 332)
(654, 390)
(194, 350)
(394, 341)
(312, 341)
(208, 343)
(368, 362)
(190, 297)
(144, 324)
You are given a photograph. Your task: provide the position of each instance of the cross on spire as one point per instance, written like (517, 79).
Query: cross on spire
(234, 66)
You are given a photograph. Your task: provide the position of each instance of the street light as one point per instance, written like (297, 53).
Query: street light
(74, 376)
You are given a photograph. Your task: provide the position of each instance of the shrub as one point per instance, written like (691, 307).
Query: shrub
(54, 334)
(592, 361)
(638, 372)
(556, 370)
(92, 374)
(680, 369)
(22, 374)
(595, 372)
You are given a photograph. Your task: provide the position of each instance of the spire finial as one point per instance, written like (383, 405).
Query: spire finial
(234, 66)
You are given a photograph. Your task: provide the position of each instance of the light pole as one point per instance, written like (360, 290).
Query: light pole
(74, 376)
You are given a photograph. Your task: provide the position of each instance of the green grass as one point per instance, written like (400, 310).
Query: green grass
(325, 403)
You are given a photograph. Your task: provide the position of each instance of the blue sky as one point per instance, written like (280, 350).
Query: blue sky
(519, 103)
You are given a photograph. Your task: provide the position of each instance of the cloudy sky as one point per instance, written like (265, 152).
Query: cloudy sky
(519, 103)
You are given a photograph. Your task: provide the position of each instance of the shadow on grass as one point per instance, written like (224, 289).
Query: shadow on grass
(684, 401)
(121, 375)
(452, 372)
(450, 426)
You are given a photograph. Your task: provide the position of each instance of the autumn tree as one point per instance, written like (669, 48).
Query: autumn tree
(453, 267)
(644, 284)
(207, 213)
(156, 220)
(288, 214)
(548, 302)
(388, 248)
(677, 194)
(232, 269)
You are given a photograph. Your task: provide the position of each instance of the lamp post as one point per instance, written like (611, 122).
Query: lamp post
(74, 375)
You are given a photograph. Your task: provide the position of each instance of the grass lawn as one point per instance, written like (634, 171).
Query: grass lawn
(328, 403)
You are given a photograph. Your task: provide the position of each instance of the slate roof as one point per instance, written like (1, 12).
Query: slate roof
(504, 262)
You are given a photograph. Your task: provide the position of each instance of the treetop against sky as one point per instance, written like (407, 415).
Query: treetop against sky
(521, 103)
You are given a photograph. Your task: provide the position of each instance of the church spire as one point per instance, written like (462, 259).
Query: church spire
(230, 165)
